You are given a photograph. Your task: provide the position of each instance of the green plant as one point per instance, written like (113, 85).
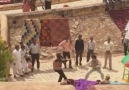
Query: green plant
(5, 59)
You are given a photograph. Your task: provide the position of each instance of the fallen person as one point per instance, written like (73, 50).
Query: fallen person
(82, 84)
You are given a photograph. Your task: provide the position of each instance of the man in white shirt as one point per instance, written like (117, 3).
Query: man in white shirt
(125, 35)
(17, 66)
(35, 54)
(108, 48)
(26, 47)
(91, 48)
(66, 44)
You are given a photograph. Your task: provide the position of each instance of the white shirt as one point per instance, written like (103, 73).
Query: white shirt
(127, 31)
(16, 56)
(66, 45)
(91, 45)
(35, 49)
(108, 46)
(23, 53)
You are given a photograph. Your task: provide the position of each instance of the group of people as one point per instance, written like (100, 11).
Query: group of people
(24, 55)
(90, 48)
(24, 58)
(79, 49)
(111, 3)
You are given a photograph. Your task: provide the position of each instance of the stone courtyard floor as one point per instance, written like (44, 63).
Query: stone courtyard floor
(46, 78)
(46, 73)
(71, 4)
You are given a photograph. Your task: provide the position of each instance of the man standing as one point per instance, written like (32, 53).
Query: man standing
(96, 66)
(24, 61)
(91, 48)
(17, 66)
(26, 47)
(126, 37)
(79, 48)
(57, 64)
(48, 4)
(33, 5)
(109, 3)
(108, 47)
(35, 54)
(66, 44)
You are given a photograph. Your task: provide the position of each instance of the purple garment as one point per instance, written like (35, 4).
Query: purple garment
(83, 84)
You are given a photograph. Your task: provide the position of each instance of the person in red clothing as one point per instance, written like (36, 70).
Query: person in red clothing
(26, 6)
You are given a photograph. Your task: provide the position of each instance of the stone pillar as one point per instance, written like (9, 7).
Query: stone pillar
(4, 27)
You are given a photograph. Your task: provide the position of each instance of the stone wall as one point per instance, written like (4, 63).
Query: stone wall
(89, 20)
(98, 25)
(16, 20)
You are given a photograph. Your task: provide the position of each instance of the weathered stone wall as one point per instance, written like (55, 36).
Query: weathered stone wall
(16, 20)
(86, 20)
(98, 25)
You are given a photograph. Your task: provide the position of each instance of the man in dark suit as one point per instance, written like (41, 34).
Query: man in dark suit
(79, 48)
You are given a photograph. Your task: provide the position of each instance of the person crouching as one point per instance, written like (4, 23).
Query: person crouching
(57, 64)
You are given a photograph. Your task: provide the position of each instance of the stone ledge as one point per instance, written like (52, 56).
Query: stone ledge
(19, 5)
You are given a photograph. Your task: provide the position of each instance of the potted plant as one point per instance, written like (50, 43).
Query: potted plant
(5, 60)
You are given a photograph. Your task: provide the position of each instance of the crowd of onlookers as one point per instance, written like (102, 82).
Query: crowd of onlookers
(66, 47)
(25, 56)
(110, 4)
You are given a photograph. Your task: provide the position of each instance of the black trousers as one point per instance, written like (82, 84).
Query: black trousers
(89, 54)
(79, 54)
(35, 57)
(67, 54)
(47, 4)
(125, 49)
(62, 75)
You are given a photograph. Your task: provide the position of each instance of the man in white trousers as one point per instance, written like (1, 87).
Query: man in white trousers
(23, 59)
(17, 66)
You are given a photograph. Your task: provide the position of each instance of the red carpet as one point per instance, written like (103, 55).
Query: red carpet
(53, 31)
(120, 17)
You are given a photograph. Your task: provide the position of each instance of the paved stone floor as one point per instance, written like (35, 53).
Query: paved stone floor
(71, 4)
(46, 73)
